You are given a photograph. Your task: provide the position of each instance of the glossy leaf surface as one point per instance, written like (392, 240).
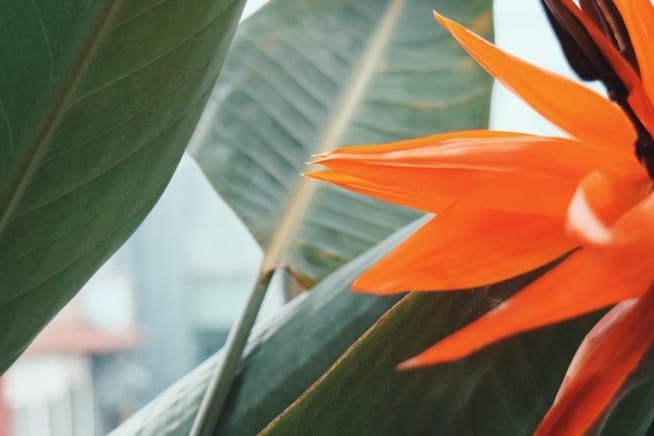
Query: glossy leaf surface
(504, 389)
(98, 100)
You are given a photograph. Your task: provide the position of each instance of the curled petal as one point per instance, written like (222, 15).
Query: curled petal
(564, 102)
(603, 368)
(464, 247)
(494, 170)
(599, 201)
(634, 232)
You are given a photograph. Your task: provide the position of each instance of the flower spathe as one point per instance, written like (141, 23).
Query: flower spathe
(507, 203)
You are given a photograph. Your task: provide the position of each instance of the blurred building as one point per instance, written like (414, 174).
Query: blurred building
(50, 390)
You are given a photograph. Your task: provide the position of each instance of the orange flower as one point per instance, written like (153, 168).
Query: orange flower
(506, 203)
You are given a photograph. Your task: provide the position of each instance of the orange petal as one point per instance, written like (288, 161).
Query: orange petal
(603, 371)
(576, 109)
(639, 16)
(415, 200)
(597, 334)
(588, 280)
(598, 203)
(464, 247)
(494, 170)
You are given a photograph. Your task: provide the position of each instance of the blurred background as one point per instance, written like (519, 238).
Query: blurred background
(166, 299)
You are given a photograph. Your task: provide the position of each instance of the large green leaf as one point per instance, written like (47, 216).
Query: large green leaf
(503, 390)
(305, 76)
(98, 99)
(633, 414)
(283, 357)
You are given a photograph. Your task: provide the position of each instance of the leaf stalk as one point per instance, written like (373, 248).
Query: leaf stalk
(214, 397)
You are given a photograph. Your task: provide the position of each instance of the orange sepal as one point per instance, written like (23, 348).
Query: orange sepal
(415, 200)
(494, 170)
(464, 247)
(602, 371)
(574, 108)
(588, 280)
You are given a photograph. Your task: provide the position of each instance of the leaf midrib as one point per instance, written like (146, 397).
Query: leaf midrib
(55, 113)
(342, 114)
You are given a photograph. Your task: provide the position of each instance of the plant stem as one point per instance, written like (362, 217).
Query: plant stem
(221, 380)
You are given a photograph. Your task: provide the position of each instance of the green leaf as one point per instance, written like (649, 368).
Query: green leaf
(98, 99)
(632, 409)
(633, 414)
(306, 76)
(284, 356)
(503, 390)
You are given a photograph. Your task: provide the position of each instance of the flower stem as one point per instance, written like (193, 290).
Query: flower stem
(221, 380)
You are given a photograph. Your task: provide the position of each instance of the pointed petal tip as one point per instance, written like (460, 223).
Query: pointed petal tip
(324, 176)
(448, 24)
(370, 284)
(309, 175)
(313, 161)
(359, 285)
(438, 16)
(363, 287)
(319, 160)
(408, 364)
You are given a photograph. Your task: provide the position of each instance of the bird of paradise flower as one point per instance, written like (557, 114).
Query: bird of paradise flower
(506, 203)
